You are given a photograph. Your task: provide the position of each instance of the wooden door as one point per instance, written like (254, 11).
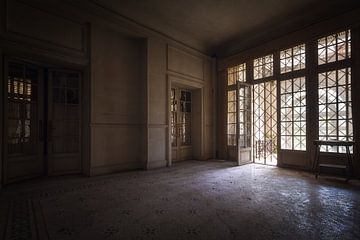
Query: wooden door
(63, 122)
(24, 119)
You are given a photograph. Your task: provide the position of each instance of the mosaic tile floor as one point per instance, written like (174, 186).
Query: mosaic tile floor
(192, 200)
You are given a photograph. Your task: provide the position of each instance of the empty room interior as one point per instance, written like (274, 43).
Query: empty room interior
(154, 119)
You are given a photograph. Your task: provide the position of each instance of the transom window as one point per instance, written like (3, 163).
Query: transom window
(334, 47)
(263, 67)
(237, 74)
(292, 59)
(293, 114)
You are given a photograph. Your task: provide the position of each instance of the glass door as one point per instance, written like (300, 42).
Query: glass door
(181, 142)
(64, 117)
(243, 123)
(24, 135)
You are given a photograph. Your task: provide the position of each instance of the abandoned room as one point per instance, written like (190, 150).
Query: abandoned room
(154, 119)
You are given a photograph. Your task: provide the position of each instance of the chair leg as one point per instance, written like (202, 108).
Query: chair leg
(316, 161)
(349, 164)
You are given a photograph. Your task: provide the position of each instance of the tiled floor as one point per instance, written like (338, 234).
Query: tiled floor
(192, 200)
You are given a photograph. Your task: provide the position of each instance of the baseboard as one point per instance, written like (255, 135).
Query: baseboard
(156, 164)
(107, 169)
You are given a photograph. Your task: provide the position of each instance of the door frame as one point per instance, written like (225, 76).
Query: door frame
(49, 62)
(175, 81)
(2, 126)
(49, 117)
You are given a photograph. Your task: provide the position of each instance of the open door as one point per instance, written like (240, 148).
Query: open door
(243, 123)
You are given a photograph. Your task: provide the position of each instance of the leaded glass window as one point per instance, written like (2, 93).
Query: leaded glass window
(263, 67)
(237, 74)
(292, 59)
(334, 47)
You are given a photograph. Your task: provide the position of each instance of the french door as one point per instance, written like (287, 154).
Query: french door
(63, 122)
(24, 122)
(243, 128)
(42, 121)
(181, 142)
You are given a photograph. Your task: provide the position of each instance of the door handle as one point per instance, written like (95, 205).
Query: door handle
(50, 132)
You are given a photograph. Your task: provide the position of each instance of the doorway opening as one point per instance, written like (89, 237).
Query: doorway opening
(42, 119)
(264, 137)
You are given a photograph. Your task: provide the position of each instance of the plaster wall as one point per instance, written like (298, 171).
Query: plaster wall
(126, 70)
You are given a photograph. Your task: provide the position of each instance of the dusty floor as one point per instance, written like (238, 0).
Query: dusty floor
(193, 200)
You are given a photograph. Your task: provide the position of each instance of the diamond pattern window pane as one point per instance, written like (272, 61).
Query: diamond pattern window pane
(265, 122)
(335, 108)
(335, 47)
(237, 74)
(263, 67)
(293, 113)
(292, 59)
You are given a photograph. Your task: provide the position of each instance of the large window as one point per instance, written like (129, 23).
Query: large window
(335, 117)
(283, 91)
(293, 114)
(334, 90)
(263, 67)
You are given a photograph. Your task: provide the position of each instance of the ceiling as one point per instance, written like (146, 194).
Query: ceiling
(223, 27)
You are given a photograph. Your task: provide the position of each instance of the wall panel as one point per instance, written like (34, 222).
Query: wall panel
(114, 145)
(156, 146)
(117, 82)
(26, 21)
(116, 78)
(184, 63)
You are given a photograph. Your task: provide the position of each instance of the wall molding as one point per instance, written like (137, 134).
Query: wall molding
(13, 39)
(171, 51)
(129, 125)
(185, 81)
(112, 124)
